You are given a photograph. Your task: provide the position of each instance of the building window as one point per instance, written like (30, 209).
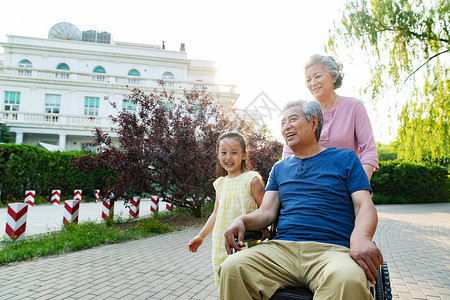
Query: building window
(12, 101)
(64, 67)
(91, 106)
(88, 148)
(25, 63)
(198, 84)
(168, 75)
(52, 103)
(100, 70)
(128, 105)
(133, 72)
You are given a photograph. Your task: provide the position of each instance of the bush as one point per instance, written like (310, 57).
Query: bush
(25, 167)
(404, 182)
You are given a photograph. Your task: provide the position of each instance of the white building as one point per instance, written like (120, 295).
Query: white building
(52, 90)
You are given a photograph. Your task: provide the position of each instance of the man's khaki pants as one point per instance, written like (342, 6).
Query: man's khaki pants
(326, 269)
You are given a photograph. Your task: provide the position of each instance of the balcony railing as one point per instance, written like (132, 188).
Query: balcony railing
(46, 119)
(98, 78)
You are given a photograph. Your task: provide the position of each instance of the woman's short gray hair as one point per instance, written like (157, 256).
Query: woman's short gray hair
(310, 109)
(333, 67)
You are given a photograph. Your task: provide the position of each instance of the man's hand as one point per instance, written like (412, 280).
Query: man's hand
(367, 255)
(237, 229)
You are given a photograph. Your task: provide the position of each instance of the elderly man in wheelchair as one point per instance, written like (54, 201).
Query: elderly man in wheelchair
(326, 221)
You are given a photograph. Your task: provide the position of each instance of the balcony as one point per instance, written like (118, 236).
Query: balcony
(105, 79)
(54, 120)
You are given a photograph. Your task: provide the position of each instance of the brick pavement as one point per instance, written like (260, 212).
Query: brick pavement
(415, 242)
(414, 239)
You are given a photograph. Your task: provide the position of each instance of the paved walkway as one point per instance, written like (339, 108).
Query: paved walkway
(414, 239)
(415, 242)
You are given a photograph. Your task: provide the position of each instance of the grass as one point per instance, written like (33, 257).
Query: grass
(77, 237)
(91, 234)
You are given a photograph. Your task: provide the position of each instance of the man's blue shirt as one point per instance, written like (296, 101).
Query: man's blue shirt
(315, 195)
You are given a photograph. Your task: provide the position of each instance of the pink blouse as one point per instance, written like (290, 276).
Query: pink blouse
(349, 117)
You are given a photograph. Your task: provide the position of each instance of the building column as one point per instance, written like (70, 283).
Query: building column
(19, 137)
(62, 141)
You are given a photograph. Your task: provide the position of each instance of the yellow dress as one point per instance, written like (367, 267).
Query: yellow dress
(235, 199)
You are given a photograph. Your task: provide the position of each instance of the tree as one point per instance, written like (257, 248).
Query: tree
(167, 147)
(264, 152)
(407, 43)
(423, 134)
(387, 152)
(5, 134)
(410, 35)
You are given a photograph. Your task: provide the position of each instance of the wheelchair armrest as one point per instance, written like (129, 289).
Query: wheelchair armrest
(251, 236)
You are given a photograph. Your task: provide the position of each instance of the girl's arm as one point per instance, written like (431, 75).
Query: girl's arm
(207, 228)
(257, 188)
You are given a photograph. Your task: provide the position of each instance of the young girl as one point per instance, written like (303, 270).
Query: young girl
(238, 192)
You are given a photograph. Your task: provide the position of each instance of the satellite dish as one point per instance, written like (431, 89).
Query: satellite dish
(65, 31)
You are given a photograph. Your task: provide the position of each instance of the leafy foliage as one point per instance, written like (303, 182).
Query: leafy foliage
(407, 43)
(79, 236)
(424, 129)
(167, 147)
(387, 152)
(5, 134)
(25, 167)
(404, 182)
(409, 34)
(264, 152)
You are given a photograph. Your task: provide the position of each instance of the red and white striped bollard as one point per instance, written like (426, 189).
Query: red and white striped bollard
(56, 196)
(16, 221)
(77, 195)
(154, 204)
(71, 210)
(135, 204)
(108, 209)
(29, 197)
(96, 196)
(169, 205)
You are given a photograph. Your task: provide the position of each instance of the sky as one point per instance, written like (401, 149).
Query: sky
(259, 46)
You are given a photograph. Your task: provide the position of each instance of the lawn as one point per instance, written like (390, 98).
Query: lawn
(91, 234)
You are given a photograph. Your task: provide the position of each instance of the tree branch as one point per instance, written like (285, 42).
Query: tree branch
(427, 61)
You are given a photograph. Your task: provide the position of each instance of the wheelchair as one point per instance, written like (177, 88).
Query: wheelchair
(380, 291)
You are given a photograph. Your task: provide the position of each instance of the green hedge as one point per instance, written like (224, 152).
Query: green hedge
(25, 167)
(403, 182)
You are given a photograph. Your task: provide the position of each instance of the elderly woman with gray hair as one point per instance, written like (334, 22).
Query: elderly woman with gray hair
(345, 120)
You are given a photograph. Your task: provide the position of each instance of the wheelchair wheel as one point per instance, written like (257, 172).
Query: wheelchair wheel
(382, 290)
(379, 294)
